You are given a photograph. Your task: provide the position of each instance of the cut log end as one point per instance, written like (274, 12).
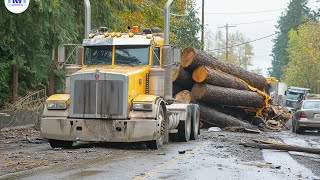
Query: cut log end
(184, 96)
(187, 57)
(200, 74)
(199, 90)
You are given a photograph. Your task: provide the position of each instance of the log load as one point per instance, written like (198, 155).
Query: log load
(182, 77)
(219, 119)
(192, 59)
(184, 96)
(176, 88)
(205, 74)
(226, 96)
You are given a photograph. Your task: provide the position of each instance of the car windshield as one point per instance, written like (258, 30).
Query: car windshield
(311, 105)
(294, 96)
(98, 55)
(132, 55)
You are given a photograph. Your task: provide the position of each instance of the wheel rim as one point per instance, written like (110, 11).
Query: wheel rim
(188, 127)
(196, 126)
(162, 125)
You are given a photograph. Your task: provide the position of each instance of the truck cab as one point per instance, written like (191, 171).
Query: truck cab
(294, 95)
(120, 90)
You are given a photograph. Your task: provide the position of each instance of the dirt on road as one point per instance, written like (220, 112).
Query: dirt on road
(23, 151)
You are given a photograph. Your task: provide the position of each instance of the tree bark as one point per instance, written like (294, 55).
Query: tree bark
(220, 119)
(184, 96)
(284, 147)
(192, 59)
(205, 74)
(182, 77)
(52, 74)
(15, 82)
(226, 96)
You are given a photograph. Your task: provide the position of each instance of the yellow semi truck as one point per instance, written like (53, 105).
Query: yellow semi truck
(120, 90)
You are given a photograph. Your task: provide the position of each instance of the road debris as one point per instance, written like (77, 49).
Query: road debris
(214, 129)
(283, 147)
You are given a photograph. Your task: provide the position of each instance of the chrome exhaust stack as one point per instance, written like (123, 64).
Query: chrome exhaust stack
(167, 53)
(87, 23)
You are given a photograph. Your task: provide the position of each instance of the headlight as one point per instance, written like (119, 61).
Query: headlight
(56, 105)
(142, 107)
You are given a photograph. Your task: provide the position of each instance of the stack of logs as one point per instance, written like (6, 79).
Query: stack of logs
(220, 88)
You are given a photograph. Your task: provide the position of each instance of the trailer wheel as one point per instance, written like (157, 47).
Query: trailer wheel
(60, 144)
(184, 128)
(195, 124)
(156, 144)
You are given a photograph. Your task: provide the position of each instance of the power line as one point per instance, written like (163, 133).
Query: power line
(261, 38)
(227, 26)
(251, 22)
(254, 12)
(256, 22)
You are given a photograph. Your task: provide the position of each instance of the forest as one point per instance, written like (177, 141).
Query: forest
(29, 41)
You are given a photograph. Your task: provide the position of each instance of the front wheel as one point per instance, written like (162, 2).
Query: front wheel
(161, 123)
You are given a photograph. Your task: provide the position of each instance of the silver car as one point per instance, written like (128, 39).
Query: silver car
(306, 116)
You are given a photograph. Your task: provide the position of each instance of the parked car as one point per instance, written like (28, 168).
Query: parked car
(306, 116)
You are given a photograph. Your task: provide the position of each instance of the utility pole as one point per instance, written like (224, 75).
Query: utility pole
(227, 26)
(202, 27)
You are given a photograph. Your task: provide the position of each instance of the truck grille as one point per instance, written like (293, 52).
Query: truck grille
(109, 100)
(105, 98)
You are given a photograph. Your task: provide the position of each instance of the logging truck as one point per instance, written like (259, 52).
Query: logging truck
(120, 90)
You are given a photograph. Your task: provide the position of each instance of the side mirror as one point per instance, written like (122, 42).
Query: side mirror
(285, 93)
(79, 55)
(61, 56)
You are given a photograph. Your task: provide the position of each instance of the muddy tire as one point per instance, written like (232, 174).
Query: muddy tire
(60, 144)
(295, 129)
(195, 122)
(161, 123)
(184, 129)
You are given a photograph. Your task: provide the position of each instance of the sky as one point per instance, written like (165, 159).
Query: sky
(253, 18)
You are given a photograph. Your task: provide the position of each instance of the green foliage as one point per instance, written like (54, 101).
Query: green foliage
(296, 14)
(28, 39)
(304, 53)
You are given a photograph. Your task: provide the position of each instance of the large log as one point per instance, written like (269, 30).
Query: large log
(205, 74)
(219, 119)
(192, 59)
(226, 96)
(182, 77)
(284, 147)
(184, 96)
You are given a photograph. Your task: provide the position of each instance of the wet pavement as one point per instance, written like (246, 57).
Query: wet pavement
(216, 155)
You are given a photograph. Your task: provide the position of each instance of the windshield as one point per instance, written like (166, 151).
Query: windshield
(98, 55)
(294, 96)
(132, 55)
(311, 105)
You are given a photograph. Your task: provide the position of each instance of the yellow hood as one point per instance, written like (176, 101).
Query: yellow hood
(128, 70)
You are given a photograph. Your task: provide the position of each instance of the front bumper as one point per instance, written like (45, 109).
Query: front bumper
(309, 123)
(97, 130)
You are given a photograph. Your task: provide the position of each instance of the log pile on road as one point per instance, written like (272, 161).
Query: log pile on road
(226, 94)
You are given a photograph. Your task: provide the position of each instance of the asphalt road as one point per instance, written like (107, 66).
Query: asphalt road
(216, 155)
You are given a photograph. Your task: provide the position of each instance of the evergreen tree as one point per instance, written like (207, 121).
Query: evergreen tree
(296, 14)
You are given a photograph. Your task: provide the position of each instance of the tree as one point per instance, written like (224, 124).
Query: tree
(304, 53)
(239, 55)
(296, 14)
(184, 28)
